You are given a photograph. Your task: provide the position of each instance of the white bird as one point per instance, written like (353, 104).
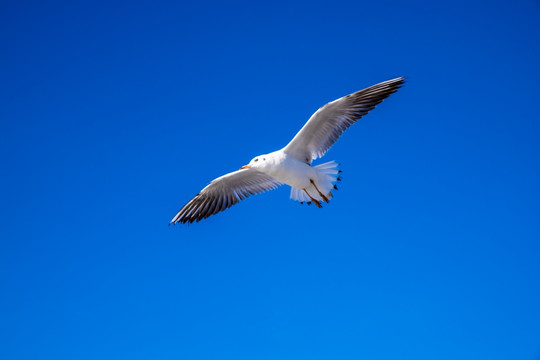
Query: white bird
(292, 164)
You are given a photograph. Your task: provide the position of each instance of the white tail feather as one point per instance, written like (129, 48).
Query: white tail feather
(327, 175)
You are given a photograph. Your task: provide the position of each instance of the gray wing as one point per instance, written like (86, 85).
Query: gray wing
(330, 121)
(224, 192)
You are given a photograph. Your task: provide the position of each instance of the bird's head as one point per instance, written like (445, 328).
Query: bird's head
(257, 162)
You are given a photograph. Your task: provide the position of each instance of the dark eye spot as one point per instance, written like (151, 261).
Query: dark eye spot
(264, 159)
(256, 160)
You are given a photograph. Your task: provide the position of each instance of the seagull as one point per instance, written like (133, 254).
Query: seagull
(292, 164)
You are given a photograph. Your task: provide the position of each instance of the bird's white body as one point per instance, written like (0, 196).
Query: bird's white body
(308, 183)
(286, 169)
(292, 164)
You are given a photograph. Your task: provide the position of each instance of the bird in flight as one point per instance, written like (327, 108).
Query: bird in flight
(292, 164)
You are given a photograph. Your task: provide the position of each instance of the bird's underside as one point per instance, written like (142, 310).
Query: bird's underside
(292, 164)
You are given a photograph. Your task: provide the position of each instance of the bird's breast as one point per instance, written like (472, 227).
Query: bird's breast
(292, 172)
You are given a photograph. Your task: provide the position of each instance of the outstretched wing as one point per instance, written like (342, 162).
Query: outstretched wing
(224, 192)
(330, 121)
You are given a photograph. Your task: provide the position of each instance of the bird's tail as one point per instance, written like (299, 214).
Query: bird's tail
(321, 188)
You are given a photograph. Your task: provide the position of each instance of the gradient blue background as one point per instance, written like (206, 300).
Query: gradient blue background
(115, 115)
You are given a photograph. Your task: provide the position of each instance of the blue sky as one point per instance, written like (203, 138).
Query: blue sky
(114, 115)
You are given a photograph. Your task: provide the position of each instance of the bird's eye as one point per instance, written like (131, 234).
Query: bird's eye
(256, 160)
(264, 159)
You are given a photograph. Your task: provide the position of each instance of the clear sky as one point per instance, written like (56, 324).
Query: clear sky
(114, 114)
